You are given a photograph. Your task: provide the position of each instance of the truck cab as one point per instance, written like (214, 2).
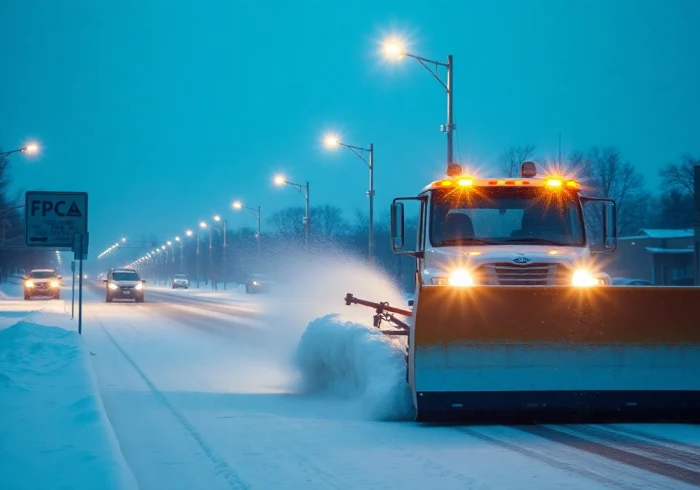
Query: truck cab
(523, 231)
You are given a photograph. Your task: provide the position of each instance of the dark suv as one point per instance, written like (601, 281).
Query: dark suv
(124, 284)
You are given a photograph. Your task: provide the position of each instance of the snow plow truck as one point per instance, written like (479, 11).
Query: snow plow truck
(514, 318)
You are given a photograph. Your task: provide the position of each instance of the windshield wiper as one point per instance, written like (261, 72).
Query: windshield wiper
(543, 241)
(465, 241)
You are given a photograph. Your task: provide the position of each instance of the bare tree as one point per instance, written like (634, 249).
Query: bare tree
(327, 221)
(512, 157)
(680, 176)
(604, 172)
(289, 221)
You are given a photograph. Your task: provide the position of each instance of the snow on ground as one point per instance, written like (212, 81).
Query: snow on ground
(54, 432)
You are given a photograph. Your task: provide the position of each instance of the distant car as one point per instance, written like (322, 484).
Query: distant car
(124, 284)
(42, 282)
(258, 283)
(181, 281)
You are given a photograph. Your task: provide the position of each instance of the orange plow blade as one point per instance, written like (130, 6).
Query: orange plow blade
(550, 352)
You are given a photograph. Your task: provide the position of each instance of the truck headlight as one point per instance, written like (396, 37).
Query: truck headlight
(461, 278)
(583, 278)
(138, 287)
(113, 286)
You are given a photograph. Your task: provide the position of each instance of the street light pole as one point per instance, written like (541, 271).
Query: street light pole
(308, 216)
(280, 180)
(257, 213)
(334, 141)
(218, 218)
(450, 124)
(396, 50)
(196, 267)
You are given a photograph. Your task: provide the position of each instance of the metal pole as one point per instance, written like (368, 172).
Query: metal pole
(224, 258)
(259, 236)
(209, 267)
(371, 202)
(72, 299)
(181, 245)
(197, 261)
(308, 216)
(80, 287)
(450, 154)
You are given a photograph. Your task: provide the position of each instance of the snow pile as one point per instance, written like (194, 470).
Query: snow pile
(53, 429)
(353, 360)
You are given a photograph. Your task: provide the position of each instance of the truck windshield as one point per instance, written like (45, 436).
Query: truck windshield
(505, 216)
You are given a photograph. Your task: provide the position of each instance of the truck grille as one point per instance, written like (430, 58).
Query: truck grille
(508, 274)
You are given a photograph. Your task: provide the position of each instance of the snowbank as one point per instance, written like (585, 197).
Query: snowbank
(54, 432)
(343, 358)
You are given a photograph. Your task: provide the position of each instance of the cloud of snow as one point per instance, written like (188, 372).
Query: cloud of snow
(347, 359)
(333, 347)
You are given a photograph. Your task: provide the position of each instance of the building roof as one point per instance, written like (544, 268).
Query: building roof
(656, 250)
(660, 234)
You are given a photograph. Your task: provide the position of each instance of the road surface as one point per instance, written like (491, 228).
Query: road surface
(199, 390)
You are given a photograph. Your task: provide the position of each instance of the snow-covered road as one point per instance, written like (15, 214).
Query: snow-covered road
(198, 389)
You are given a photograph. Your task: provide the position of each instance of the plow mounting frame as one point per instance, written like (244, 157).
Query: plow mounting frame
(383, 313)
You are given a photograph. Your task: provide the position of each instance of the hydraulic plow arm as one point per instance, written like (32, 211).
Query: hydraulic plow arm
(384, 312)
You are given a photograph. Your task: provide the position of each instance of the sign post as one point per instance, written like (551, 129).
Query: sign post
(72, 298)
(59, 221)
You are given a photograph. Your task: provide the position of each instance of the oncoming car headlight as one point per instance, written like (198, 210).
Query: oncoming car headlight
(113, 286)
(29, 284)
(55, 284)
(583, 278)
(138, 287)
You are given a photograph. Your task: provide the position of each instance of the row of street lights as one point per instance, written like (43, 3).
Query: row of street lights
(394, 49)
(192, 233)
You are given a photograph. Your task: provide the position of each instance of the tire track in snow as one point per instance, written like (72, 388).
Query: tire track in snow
(552, 461)
(693, 448)
(672, 455)
(222, 467)
(642, 462)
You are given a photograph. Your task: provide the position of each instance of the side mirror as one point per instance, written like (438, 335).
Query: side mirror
(600, 215)
(59, 277)
(398, 232)
(104, 281)
(143, 280)
(610, 226)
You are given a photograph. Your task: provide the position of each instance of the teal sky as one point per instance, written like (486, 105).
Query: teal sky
(166, 111)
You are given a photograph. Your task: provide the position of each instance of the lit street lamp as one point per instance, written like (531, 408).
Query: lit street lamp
(177, 239)
(281, 180)
(256, 213)
(332, 141)
(221, 220)
(394, 49)
(203, 225)
(190, 233)
(30, 149)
